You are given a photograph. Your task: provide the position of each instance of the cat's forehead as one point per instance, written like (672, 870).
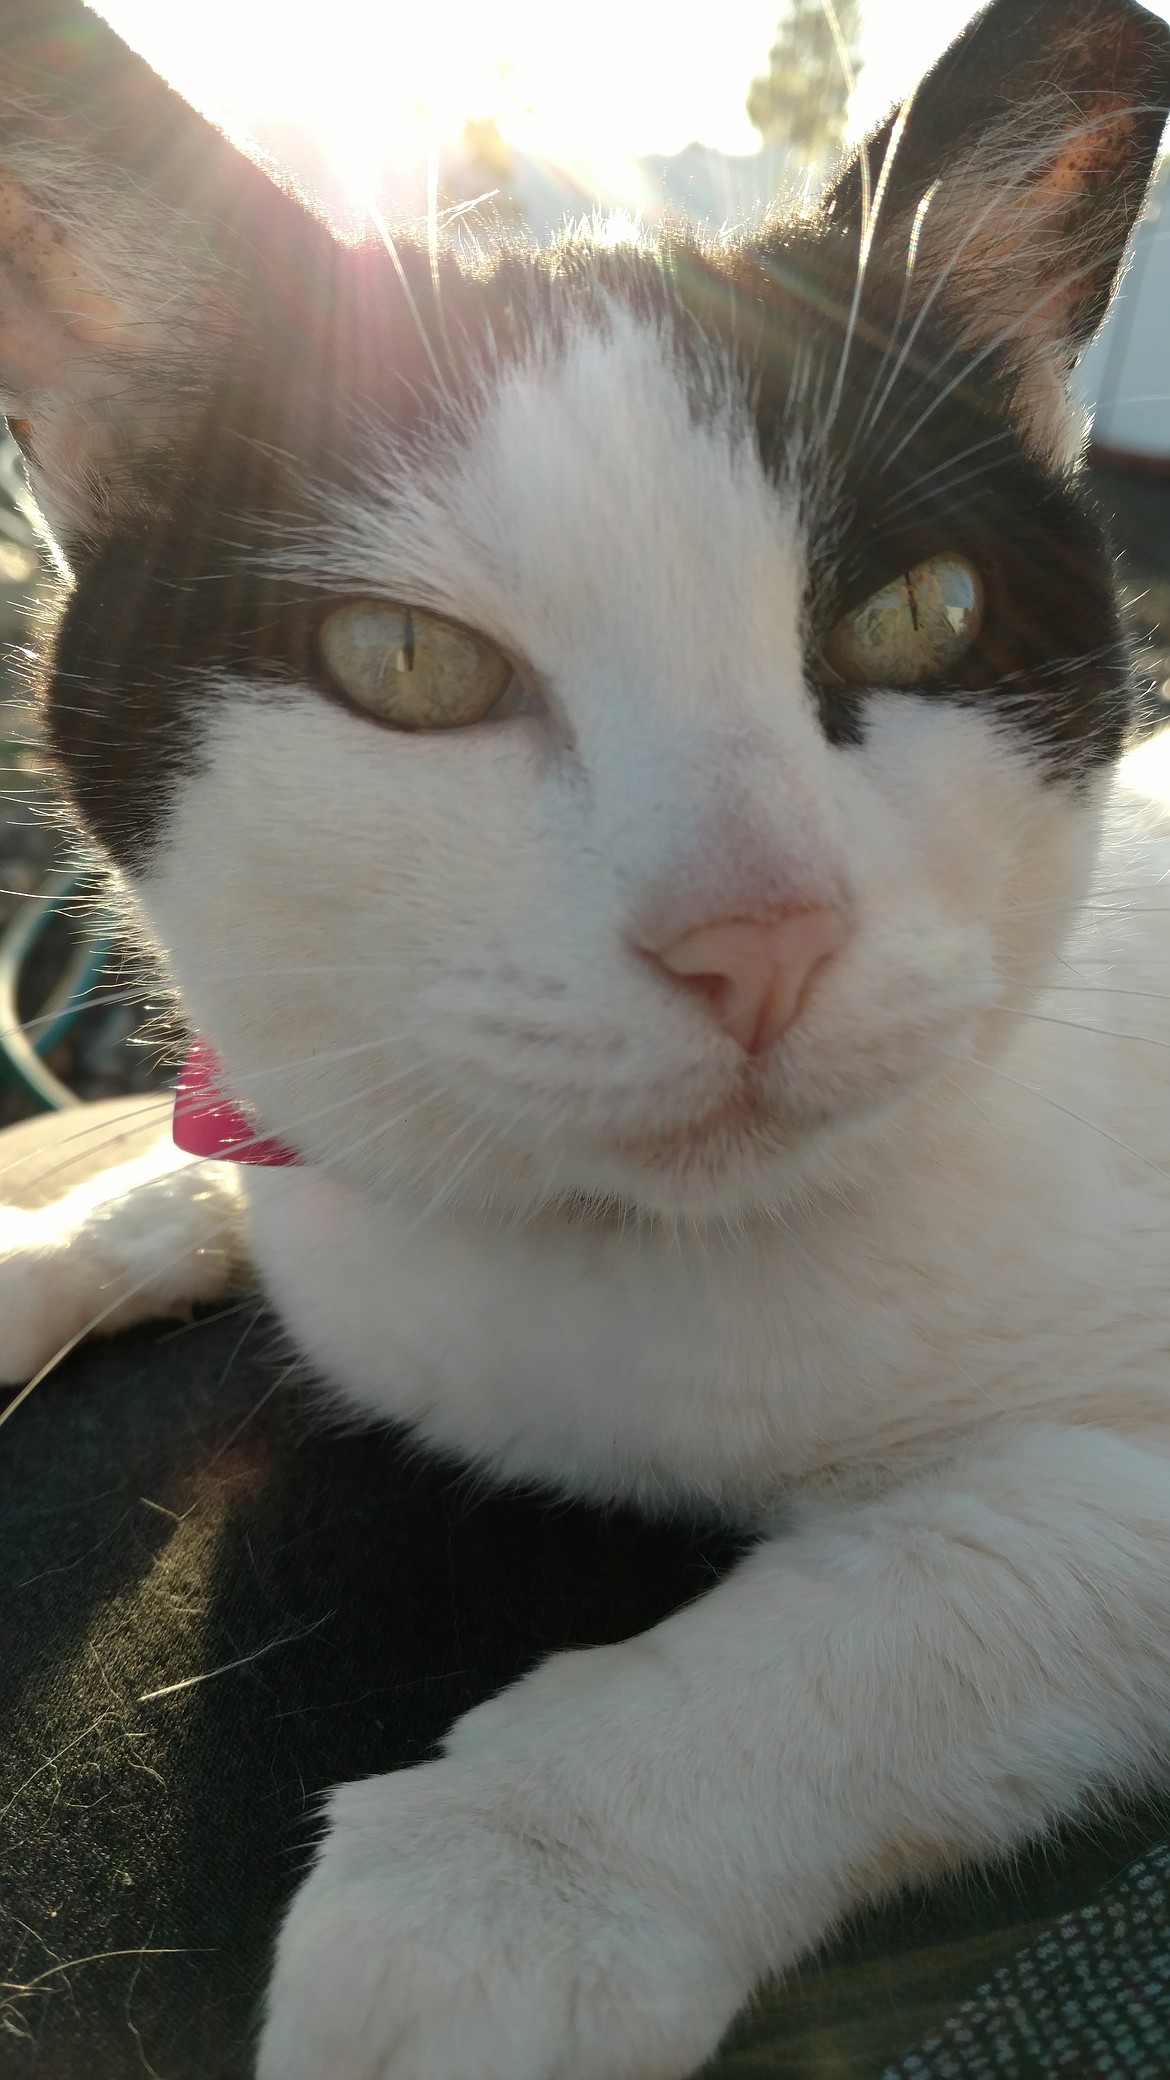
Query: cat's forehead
(703, 409)
(596, 486)
(727, 366)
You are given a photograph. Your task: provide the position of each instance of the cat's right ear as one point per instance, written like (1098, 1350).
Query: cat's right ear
(135, 242)
(1006, 188)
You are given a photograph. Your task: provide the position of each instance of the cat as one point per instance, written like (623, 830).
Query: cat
(620, 749)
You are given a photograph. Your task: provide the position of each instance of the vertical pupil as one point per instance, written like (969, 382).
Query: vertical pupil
(405, 658)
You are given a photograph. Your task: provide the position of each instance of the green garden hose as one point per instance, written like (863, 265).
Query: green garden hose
(63, 1005)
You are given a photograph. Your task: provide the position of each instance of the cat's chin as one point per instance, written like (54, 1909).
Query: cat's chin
(727, 1145)
(739, 1161)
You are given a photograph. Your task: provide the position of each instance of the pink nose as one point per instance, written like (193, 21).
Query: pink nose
(754, 974)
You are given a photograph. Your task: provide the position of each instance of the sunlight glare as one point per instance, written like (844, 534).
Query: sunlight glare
(378, 84)
(559, 82)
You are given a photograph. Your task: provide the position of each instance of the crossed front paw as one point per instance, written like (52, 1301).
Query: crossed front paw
(454, 1928)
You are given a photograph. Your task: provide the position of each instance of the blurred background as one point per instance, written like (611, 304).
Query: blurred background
(453, 120)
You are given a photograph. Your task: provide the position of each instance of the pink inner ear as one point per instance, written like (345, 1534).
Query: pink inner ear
(206, 1123)
(54, 307)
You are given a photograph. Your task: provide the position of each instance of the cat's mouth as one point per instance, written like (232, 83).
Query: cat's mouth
(728, 1130)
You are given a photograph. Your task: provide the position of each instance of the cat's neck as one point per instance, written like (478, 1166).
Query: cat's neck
(675, 1364)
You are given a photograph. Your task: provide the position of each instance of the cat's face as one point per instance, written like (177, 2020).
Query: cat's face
(477, 907)
(744, 586)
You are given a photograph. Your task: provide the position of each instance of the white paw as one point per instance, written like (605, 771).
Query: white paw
(103, 1223)
(39, 1300)
(60, 1281)
(459, 1925)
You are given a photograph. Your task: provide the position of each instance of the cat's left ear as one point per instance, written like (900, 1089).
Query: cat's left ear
(138, 249)
(1009, 184)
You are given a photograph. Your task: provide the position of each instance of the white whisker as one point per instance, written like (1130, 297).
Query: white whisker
(1105, 989)
(165, 1105)
(846, 63)
(120, 1299)
(384, 233)
(100, 995)
(901, 509)
(994, 208)
(1014, 330)
(433, 233)
(869, 221)
(974, 1062)
(893, 504)
(209, 1234)
(1074, 1025)
(159, 1102)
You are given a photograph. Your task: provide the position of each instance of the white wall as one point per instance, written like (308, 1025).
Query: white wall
(1125, 375)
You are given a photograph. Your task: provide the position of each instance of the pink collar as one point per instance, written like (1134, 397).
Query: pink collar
(206, 1123)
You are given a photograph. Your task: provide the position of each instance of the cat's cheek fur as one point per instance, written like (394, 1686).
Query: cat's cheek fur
(465, 912)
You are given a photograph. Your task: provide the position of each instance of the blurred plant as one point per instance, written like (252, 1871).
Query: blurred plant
(487, 150)
(803, 98)
(481, 163)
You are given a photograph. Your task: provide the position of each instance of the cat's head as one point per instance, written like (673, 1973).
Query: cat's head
(614, 723)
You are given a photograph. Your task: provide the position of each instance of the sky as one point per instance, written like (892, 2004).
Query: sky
(586, 85)
(613, 78)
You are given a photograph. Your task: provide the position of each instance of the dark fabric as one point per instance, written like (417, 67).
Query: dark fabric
(172, 1511)
(1093, 1991)
(978, 1980)
(214, 1608)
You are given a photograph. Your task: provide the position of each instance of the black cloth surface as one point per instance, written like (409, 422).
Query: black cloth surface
(215, 1607)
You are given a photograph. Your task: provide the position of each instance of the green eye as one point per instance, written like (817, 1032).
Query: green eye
(412, 669)
(913, 629)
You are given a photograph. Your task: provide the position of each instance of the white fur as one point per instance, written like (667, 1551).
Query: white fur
(102, 1216)
(920, 1304)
